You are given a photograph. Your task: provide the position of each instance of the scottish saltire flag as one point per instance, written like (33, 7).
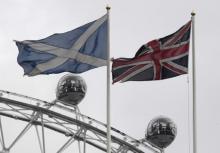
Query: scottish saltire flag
(158, 59)
(75, 51)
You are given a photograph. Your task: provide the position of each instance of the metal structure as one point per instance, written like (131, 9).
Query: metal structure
(67, 121)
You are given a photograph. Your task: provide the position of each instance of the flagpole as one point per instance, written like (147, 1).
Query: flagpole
(108, 85)
(194, 84)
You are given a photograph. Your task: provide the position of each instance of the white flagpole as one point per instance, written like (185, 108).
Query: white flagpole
(194, 84)
(108, 86)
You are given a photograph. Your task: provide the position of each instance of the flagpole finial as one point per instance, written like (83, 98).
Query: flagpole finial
(108, 7)
(193, 13)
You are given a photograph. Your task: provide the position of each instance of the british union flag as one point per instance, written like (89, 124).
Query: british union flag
(162, 58)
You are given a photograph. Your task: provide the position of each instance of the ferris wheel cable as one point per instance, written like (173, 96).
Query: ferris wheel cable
(70, 120)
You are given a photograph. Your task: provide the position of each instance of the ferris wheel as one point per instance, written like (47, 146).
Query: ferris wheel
(63, 117)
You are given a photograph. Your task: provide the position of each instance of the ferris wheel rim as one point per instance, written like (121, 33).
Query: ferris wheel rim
(68, 119)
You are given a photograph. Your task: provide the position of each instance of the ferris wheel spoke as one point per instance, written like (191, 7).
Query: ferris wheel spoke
(78, 127)
(41, 143)
(28, 126)
(1, 143)
(43, 137)
(84, 141)
(39, 140)
(2, 135)
(79, 146)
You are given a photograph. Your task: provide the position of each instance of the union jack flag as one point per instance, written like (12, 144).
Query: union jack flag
(158, 59)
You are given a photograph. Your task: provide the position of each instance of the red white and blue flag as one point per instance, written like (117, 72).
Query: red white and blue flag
(162, 58)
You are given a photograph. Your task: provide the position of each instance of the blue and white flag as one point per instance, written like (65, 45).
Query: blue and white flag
(75, 51)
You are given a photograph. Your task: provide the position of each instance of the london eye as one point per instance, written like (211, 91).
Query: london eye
(66, 120)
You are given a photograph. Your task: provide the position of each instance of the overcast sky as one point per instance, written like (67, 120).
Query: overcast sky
(132, 23)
